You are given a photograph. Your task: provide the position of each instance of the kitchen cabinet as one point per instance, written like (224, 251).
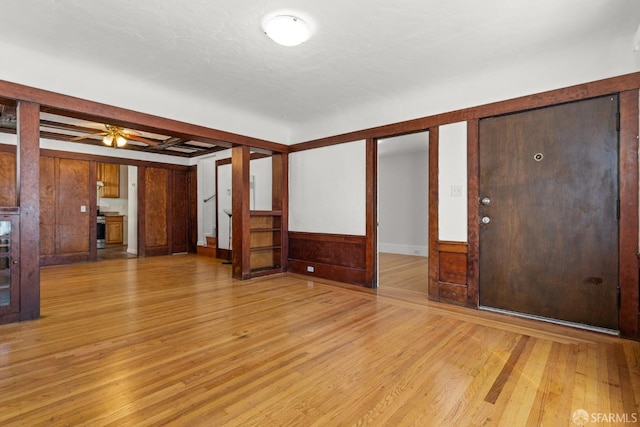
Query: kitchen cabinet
(109, 174)
(114, 229)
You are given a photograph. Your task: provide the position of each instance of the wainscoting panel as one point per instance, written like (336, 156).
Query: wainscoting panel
(328, 256)
(452, 272)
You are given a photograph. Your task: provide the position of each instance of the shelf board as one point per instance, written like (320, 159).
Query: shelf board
(265, 213)
(265, 248)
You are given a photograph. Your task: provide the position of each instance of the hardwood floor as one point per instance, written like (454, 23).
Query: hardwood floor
(175, 341)
(114, 252)
(404, 272)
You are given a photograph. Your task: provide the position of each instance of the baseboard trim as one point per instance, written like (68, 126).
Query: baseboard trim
(393, 248)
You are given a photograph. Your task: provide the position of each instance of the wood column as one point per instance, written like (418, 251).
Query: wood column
(434, 262)
(371, 249)
(240, 218)
(280, 201)
(628, 224)
(29, 202)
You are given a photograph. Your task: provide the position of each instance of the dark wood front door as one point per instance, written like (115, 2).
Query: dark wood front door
(549, 224)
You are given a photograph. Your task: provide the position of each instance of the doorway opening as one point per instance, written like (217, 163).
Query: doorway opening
(403, 213)
(117, 208)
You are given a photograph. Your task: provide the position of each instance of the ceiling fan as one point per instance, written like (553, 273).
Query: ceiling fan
(116, 137)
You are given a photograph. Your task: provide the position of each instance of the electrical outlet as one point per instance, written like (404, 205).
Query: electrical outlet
(310, 269)
(456, 191)
(83, 208)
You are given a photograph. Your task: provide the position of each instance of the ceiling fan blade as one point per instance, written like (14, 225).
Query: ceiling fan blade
(89, 135)
(141, 139)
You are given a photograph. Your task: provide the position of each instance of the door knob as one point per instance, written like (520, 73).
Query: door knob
(15, 261)
(485, 201)
(486, 220)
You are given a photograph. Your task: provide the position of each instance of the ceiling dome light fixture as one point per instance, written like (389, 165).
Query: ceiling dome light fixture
(286, 30)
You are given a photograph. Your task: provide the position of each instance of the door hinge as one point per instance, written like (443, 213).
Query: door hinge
(618, 121)
(618, 209)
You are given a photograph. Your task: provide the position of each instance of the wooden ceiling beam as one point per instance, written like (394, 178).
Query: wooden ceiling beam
(69, 106)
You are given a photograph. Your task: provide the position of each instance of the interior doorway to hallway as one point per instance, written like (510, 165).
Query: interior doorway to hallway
(403, 212)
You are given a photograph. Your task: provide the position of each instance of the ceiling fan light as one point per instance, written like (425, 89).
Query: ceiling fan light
(287, 30)
(108, 140)
(121, 141)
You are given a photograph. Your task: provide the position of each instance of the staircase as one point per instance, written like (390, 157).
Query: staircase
(210, 248)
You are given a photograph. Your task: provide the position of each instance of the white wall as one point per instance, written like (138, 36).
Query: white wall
(9, 139)
(70, 76)
(403, 201)
(522, 75)
(206, 170)
(327, 189)
(224, 202)
(261, 182)
(452, 176)
(260, 197)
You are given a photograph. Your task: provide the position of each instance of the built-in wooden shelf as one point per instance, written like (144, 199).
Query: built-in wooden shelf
(266, 243)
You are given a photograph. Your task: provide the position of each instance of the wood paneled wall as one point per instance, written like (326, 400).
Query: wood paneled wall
(67, 182)
(452, 272)
(8, 196)
(65, 230)
(156, 193)
(167, 221)
(332, 256)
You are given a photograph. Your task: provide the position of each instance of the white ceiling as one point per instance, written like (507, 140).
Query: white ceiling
(362, 52)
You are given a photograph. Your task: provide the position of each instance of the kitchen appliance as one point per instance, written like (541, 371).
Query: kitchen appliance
(101, 228)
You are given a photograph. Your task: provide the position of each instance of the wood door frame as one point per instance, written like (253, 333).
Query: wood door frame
(628, 194)
(371, 233)
(220, 253)
(371, 237)
(628, 190)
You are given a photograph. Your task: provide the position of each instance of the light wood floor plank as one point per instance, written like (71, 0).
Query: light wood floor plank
(176, 341)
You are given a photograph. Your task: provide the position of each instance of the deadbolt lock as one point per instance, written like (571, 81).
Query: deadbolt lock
(486, 220)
